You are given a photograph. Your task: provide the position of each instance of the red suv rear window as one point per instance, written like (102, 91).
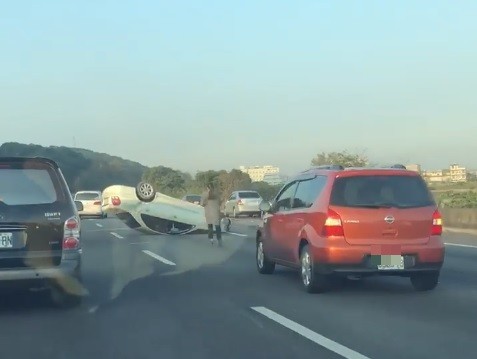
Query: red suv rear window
(376, 191)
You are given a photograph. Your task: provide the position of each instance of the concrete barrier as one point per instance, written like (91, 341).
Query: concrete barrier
(459, 217)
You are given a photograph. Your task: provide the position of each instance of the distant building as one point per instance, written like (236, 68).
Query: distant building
(413, 167)
(455, 173)
(458, 173)
(257, 173)
(436, 176)
(274, 179)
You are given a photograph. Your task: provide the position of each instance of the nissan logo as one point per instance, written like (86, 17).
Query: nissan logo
(389, 219)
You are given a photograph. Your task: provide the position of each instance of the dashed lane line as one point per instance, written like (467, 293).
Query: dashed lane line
(460, 245)
(158, 257)
(319, 339)
(116, 235)
(237, 234)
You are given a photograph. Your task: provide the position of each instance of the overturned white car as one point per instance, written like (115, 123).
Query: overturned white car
(144, 209)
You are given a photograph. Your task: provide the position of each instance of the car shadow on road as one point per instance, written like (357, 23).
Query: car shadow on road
(24, 300)
(373, 284)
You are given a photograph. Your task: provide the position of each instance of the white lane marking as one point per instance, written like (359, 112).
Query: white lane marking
(99, 224)
(237, 234)
(92, 310)
(319, 339)
(158, 257)
(460, 245)
(116, 235)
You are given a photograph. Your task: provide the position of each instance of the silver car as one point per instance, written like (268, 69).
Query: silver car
(91, 201)
(243, 203)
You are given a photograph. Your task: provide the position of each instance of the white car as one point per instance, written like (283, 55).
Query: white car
(91, 201)
(146, 210)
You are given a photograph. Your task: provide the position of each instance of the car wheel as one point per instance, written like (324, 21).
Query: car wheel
(264, 265)
(425, 281)
(312, 281)
(145, 192)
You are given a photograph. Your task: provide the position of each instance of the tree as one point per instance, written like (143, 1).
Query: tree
(233, 181)
(202, 179)
(166, 180)
(266, 190)
(83, 169)
(344, 158)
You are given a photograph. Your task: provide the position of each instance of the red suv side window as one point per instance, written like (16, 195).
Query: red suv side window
(283, 201)
(308, 191)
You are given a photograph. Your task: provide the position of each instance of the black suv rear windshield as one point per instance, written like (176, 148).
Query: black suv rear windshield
(381, 191)
(23, 186)
(86, 196)
(249, 195)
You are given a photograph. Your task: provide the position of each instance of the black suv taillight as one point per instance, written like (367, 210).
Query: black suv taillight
(71, 237)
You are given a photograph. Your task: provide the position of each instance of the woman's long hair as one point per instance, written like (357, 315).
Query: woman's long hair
(212, 192)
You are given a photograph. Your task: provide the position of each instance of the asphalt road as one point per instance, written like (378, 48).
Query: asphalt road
(179, 297)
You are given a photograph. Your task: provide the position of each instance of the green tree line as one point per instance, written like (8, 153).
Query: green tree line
(89, 170)
(83, 169)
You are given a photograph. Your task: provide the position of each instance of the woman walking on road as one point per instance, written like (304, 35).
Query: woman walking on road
(211, 202)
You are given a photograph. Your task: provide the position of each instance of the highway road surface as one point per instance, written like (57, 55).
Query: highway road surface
(179, 297)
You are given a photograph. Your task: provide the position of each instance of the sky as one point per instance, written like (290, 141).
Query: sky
(198, 85)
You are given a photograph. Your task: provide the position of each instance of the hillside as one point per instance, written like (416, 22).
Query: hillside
(83, 169)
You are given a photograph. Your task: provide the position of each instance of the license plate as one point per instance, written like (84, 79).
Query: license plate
(391, 262)
(6, 240)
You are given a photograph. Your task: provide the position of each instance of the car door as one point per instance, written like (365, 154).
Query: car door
(307, 193)
(276, 222)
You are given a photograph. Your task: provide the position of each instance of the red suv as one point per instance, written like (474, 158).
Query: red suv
(333, 222)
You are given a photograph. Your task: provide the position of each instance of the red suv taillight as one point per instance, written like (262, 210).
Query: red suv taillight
(71, 237)
(436, 224)
(116, 201)
(333, 226)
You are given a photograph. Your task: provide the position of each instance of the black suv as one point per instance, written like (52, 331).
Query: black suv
(39, 229)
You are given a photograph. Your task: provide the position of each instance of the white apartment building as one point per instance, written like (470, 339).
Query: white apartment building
(274, 179)
(257, 173)
(455, 173)
(458, 173)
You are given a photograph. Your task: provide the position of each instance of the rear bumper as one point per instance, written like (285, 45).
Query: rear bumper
(365, 269)
(67, 268)
(340, 257)
(91, 213)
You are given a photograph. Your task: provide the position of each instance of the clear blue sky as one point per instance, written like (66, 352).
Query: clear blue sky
(216, 84)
